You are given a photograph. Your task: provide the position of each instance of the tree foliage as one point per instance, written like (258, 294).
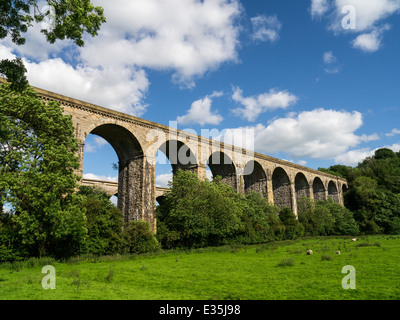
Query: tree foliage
(374, 192)
(67, 19)
(37, 163)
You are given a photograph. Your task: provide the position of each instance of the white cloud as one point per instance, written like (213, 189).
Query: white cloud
(255, 105)
(100, 141)
(330, 62)
(92, 176)
(328, 57)
(368, 13)
(119, 89)
(163, 179)
(318, 134)
(200, 112)
(319, 8)
(188, 37)
(265, 28)
(369, 42)
(353, 157)
(366, 23)
(393, 132)
(89, 147)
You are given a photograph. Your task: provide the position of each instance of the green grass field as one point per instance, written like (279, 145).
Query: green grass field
(278, 270)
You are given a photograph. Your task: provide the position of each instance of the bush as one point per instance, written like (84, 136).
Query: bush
(293, 228)
(139, 238)
(199, 213)
(104, 222)
(322, 218)
(262, 222)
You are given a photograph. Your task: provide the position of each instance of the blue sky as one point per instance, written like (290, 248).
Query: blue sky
(319, 86)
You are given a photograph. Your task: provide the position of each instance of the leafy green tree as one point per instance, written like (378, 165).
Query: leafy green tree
(69, 19)
(200, 213)
(104, 222)
(293, 228)
(261, 220)
(338, 170)
(37, 164)
(321, 218)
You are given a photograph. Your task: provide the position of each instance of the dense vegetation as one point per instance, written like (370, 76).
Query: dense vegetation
(47, 215)
(199, 213)
(374, 191)
(44, 215)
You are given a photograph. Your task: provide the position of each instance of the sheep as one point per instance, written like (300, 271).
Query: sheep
(309, 252)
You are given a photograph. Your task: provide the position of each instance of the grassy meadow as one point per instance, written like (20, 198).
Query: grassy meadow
(277, 270)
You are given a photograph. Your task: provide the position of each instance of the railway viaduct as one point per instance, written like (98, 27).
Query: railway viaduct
(136, 142)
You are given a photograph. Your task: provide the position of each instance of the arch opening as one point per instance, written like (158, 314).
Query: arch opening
(302, 186)
(281, 188)
(129, 163)
(255, 178)
(333, 192)
(179, 155)
(318, 189)
(222, 165)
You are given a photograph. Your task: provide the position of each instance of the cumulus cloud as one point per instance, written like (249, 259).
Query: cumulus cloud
(368, 19)
(369, 13)
(265, 28)
(369, 42)
(353, 157)
(318, 134)
(163, 179)
(253, 106)
(188, 38)
(200, 112)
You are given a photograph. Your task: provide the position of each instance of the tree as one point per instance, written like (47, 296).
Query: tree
(338, 170)
(104, 222)
(37, 169)
(70, 19)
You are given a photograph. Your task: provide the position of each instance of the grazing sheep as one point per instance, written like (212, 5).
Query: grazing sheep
(309, 252)
(337, 252)
(354, 239)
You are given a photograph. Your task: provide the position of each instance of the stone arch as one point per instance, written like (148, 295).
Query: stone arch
(344, 188)
(179, 155)
(222, 165)
(301, 186)
(318, 189)
(281, 188)
(131, 166)
(255, 178)
(333, 192)
(125, 144)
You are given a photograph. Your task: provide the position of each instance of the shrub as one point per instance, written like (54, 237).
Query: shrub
(321, 218)
(293, 228)
(200, 213)
(104, 222)
(139, 238)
